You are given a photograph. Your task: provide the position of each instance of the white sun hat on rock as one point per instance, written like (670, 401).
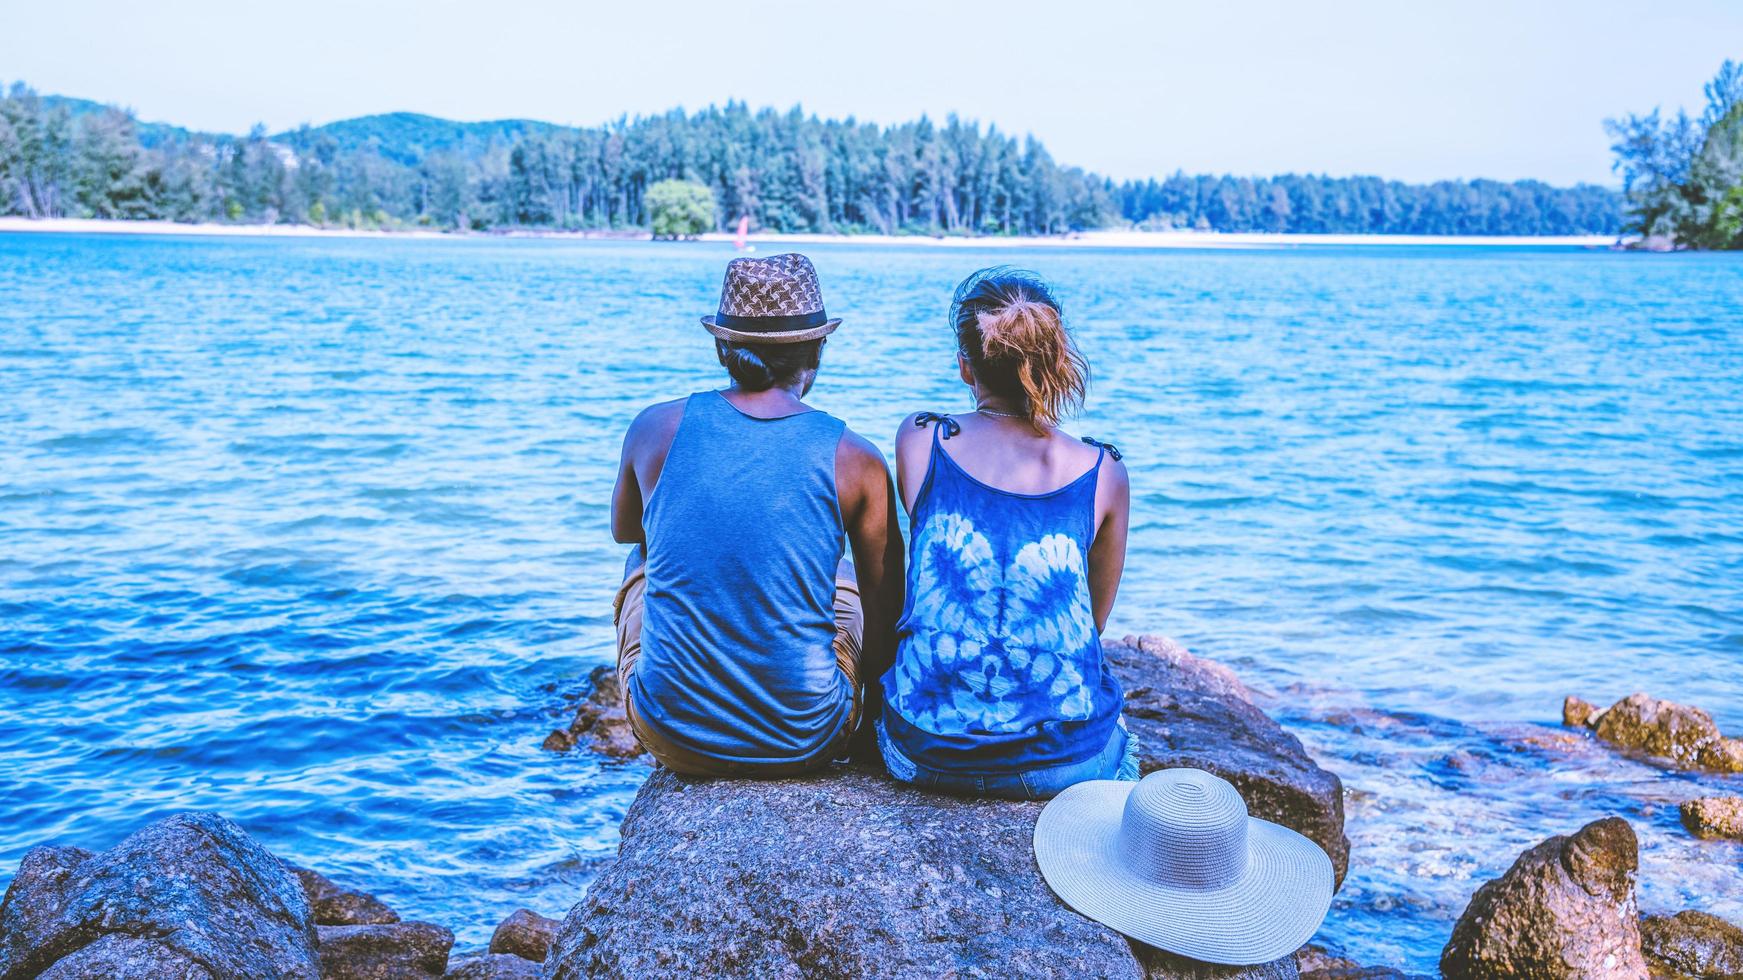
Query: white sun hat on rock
(1174, 861)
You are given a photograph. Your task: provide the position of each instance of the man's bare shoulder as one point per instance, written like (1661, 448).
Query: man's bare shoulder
(662, 417)
(858, 455)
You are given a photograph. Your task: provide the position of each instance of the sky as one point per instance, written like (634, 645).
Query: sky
(1419, 90)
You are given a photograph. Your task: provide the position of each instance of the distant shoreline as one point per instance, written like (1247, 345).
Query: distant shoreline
(1086, 239)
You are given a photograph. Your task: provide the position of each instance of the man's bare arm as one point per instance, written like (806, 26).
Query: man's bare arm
(868, 498)
(644, 454)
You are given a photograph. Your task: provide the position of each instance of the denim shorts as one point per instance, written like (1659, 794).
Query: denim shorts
(1118, 760)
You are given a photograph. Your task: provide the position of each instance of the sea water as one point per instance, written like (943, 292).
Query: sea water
(314, 532)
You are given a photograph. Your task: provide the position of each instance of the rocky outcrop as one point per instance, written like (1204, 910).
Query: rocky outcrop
(1691, 945)
(1565, 909)
(840, 874)
(1714, 816)
(1187, 711)
(526, 934)
(600, 723)
(384, 951)
(333, 905)
(1684, 736)
(850, 874)
(189, 896)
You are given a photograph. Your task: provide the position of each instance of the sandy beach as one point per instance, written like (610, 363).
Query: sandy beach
(1088, 239)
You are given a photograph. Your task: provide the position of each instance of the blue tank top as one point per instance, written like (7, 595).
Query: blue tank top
(998, 663)
(744, 535)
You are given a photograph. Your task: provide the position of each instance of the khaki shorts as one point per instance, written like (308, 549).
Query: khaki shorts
(627, 612)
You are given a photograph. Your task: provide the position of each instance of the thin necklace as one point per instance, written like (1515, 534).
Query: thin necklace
(1002, 415)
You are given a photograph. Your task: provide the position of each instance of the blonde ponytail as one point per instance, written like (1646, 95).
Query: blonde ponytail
(1011, 329)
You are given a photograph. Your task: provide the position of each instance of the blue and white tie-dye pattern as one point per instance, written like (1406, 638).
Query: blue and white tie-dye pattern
(999, 665)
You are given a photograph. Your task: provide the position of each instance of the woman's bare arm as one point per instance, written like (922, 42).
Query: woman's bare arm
(1107, 555)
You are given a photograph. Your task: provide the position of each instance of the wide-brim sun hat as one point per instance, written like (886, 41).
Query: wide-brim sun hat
(1175, 861)
(773, 300)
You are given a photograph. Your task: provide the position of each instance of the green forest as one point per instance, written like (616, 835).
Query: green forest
(1682, 176)
(787, 171)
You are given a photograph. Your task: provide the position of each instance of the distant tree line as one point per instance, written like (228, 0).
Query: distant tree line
(1297, 203)
(1682, 177)
(785, 170)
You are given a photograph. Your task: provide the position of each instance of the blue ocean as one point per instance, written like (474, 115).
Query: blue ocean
(313, 532)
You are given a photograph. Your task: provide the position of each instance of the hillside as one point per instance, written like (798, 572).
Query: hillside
(408, 137)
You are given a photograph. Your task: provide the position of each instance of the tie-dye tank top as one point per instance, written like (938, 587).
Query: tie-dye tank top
(998, 664)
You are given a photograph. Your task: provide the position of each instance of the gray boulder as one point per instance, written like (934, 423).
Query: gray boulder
(847, 873)
(384, 951)
(839, 874)
(187, 896)
(1691, 945)
(1187, 711)
(1565, 910)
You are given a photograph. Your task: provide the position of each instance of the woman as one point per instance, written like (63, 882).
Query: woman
(1018, 541)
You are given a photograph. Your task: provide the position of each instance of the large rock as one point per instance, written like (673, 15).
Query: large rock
(839, 874)
(847, 873)
(1691, 944)
(384, 951)
(1714, 816)
(600, 722)
(188, 896)
(1684, 736)
(1565, 909)
(334, 905)
(526, 934)
(1192, 712)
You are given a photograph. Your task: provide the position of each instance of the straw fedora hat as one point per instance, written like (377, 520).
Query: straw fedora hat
(771, 301)
(1174, 861)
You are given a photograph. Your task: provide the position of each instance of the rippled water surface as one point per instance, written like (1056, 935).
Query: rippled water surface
(314, 532)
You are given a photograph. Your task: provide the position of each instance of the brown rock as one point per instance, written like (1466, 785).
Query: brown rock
(387, 951)
(333, 905)
(600, 722)
(1163, 964)
(1577, 713)
(1714, 816)
(1565, 909)
(1691, 944)
(1685, 736)
(1320, 964)
(1187, 711)
(492, 966)
(526, 934)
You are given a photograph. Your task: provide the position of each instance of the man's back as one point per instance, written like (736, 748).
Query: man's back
(744, 535)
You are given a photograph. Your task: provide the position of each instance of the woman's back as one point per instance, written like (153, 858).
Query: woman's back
(999, 665)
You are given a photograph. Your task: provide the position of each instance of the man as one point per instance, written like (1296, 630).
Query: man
(745, 644)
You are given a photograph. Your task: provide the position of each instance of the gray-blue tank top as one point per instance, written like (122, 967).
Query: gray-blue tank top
(744, 535)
